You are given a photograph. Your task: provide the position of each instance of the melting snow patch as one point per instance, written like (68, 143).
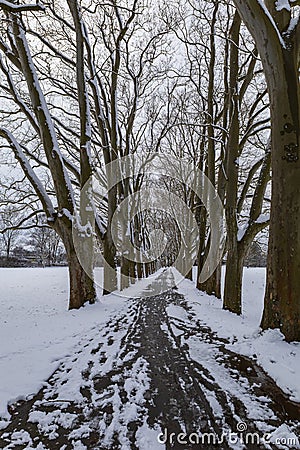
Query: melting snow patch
(146, 438)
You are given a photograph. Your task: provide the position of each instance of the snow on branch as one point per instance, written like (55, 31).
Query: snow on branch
(260, 22)
(29, 172)
(286, 4)
(61, 179)
(12, 7)
(282, 4)
(263, 219)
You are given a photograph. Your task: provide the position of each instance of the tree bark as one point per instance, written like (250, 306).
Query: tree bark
(238, 248)
(282, 298)
(279, 52)
(8, 249)
(125, 273)
(139, 270)
(147, 269)
(189, 275)
(110, 272)
(81, 284)
(212, 286)
(233, 280)
(233, 277)
(132, 272)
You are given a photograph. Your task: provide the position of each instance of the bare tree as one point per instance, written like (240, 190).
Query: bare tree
(18, 59)
(9, 233)
(238, 242)
(222, 127)
(18, 212)
(72, 114)
(46, 245)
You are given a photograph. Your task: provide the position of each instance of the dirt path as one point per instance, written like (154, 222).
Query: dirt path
(140, 383)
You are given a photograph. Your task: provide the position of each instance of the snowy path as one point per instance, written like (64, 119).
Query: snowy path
(155, 367)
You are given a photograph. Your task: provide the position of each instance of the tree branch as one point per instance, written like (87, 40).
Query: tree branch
(12, 7)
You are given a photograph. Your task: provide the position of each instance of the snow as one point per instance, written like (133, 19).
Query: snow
(13, 7)
(280, 437)
(281, 360)
(282, 4)
(293, 23)
(242, 231)
(38, 335)
(35, 88)
(272, 21)
(28, 170)
(263, 218)
(146, 438)
(37, 331)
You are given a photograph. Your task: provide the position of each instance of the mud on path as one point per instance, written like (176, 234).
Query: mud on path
(139, 382)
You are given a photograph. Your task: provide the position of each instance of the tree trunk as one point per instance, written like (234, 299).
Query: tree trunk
(238, 248)
(82, 287)
(125, 272)
(147, 269)
(201, 217)
(212, 286)
(132, 272)
(8, 249)
(279, 51)
(81, 284)
(282, 298)
(234, 279)
(110, 269)
(189, 275)
(139, 270)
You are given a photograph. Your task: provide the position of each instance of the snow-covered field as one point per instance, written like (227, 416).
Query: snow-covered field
(37, 332)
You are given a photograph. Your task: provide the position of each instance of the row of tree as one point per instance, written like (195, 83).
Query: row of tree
(84, 85)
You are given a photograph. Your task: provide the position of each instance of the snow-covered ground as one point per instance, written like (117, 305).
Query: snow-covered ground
(279, 359)
(37, 332)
